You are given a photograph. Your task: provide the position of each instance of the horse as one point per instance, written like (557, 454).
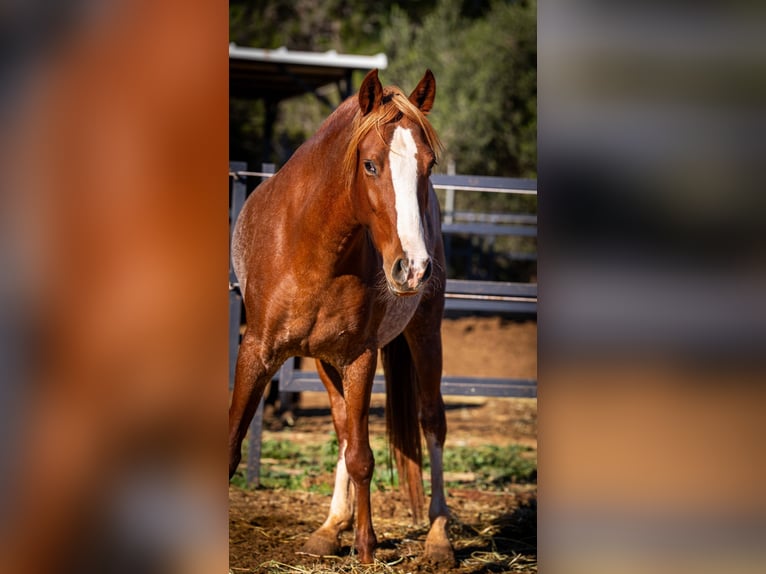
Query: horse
(338, 255)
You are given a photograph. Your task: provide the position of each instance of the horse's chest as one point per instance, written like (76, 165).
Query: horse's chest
(398, 314)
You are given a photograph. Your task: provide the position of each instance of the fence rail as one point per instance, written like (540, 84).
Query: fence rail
(485, 183)
(491, 297)
(294, 380)
(460, 295)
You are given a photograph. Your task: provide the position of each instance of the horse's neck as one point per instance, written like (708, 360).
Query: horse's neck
(324, 209)
(329, 143)
(320, 159)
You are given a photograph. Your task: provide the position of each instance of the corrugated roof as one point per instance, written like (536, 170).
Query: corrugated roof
(282, 73)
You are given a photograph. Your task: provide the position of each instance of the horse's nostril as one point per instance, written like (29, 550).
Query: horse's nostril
(427, 272)
(399, 270)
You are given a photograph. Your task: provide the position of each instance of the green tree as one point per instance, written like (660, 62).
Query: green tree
(486, 72)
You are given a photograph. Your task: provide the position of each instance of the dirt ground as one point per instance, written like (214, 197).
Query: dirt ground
(491, 531)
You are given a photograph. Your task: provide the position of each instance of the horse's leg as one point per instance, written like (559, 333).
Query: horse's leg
(251, 377)
(424, 339)
(325, 541)
(357, 386)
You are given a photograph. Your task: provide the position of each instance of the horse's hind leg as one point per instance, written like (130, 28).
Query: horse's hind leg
(251, 377)
(325, 541)
(424, 339)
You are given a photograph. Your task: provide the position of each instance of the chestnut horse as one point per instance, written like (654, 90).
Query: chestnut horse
(338, 255)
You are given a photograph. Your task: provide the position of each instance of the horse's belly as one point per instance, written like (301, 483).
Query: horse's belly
(398, 314)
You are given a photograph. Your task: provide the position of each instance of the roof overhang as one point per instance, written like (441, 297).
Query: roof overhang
(282, 73)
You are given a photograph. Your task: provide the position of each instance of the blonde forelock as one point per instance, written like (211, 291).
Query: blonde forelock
(395, 105)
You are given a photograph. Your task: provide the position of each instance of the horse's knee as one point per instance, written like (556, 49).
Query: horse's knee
(434, 421)
(360, 463)
(433, 417)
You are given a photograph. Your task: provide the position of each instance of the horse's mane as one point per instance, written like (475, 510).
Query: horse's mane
(394, 105)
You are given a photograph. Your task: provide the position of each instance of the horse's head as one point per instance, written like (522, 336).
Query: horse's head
(390, 158)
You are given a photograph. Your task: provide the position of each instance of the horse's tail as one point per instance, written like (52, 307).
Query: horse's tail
(402, 424)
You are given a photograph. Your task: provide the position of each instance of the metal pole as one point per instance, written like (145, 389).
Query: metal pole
(449, 195)
(449, 207)
(267, 168)
(253, 474)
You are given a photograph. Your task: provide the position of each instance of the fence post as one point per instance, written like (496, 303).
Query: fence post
(253, 473)
(449, 210)
(449, 195)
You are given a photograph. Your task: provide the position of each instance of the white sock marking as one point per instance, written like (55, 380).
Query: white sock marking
(342, 505)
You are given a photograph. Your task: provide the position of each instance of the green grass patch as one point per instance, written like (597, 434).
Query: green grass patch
(309, 467)
(494, 467)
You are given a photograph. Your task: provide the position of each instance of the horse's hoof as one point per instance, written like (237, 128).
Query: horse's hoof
(440, 555)
(438, 548)
(366, 557)
(322, 544)
(365, 546)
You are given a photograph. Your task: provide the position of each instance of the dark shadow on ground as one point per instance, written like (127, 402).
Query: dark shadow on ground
(507, 543)
(511, 540)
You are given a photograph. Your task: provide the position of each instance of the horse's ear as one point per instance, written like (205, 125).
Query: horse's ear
(423, 95)
(371, 92)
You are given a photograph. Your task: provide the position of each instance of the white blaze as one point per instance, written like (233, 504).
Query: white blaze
(404, 175)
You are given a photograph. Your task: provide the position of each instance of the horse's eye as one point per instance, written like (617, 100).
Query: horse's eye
(370, 168)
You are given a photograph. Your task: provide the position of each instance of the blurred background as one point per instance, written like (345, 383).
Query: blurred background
(113, 356)
(652, 323)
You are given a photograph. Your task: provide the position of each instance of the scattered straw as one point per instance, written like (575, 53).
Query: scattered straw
(325, 556)
(488, 557)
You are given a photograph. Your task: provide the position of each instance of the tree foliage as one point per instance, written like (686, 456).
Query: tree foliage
(487, 81)
(483, 53)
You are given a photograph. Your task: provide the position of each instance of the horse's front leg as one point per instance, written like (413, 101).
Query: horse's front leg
(251, 377)
(325, 541)
(357, 386)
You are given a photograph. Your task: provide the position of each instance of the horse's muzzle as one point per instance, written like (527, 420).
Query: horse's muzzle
(407, 276)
